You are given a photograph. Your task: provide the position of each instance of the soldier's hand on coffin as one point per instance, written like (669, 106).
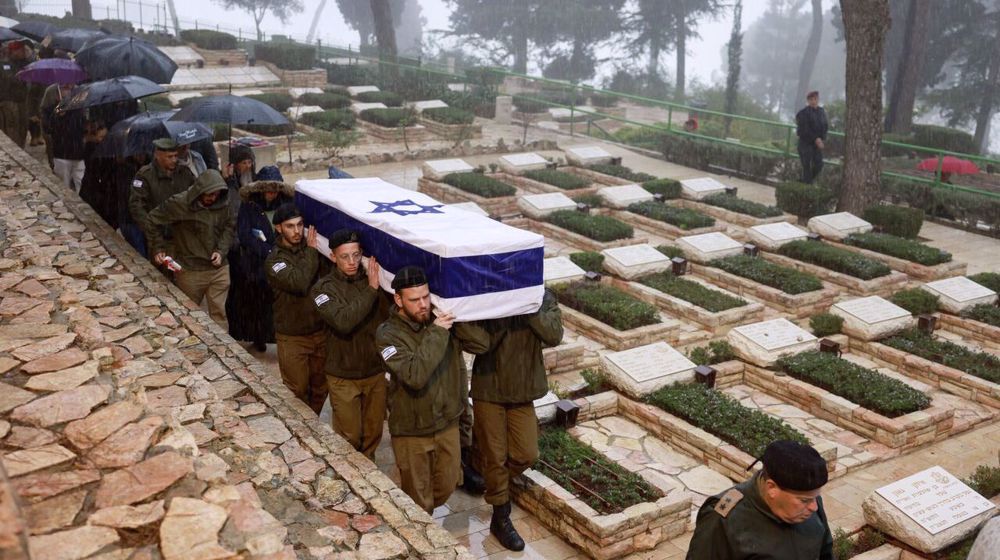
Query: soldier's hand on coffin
(372, 270)
(311, 238)
(444, 319)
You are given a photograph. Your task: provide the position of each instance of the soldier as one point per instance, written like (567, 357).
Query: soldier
(776, 514)
(505, 382)
(429, 385)
(155, 182)
(351, 304)
(15, 95)
(292, 267)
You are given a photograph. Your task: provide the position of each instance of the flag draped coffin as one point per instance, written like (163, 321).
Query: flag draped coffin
(477, 268)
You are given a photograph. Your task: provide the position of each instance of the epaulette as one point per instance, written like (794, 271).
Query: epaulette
(728, 501)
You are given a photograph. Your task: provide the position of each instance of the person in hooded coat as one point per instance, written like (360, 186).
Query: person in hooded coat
(248, 306)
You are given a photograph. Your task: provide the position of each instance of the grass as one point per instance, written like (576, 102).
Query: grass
(717, 351)
(667, 187)
(711, 300)
(556, 178)
(331, 119)
(449, 115)
(980, 364)
(783, 278)
(899, 247)
(621, 172)
(390, 118)
(683, 218)
(479, 184)
(835, 259)
(984, 313)
(591, 261)
(742, 206)
(608, 305)
(596, 227)
(915, 300)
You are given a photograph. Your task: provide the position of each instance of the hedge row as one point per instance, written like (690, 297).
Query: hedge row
(332, 119)
(984, 313)
(286, 55)
(826, 324)
(449, 115)
(326, 100)
(690, 291)
(707, 155)
(591, 261)
(621, 172)
(392, 117)
(949, 139)
(989, 279)
(669, 188)
(387, 98)
(866, 387)
(608, 305)
(835, 258)
(805, 201)
(556, 178)
(895, 220)
(786, 279)
(742, 206)
(683, 218)
(209, 39)
(716, 352)
(899, 247)
(596, 227)
(723, 416)
(671, 251)
(915, 300)
(350, 75)
(479, 184)
(969, 209)
(981, 364)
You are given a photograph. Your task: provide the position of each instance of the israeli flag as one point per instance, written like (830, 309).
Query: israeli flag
(477, 268)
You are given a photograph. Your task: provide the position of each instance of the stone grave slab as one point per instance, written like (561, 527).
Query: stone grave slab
(642, 370)
(437, 169)
(765, 342)
(419, 106)
(538, 206)
(178, 96)
(872, 318)
(771, 236)
(959, 293)
(697, 189)
(624, 195)
(632, 261)
(456, 87)
(298, 92)
(246, 92)
(562, 113)
(354, 91)
(561, 269)
(519, 163)
(587, 155)
(469, 207)
(545, 407)
(707, 246)
(358, 107)
(296, 112)
(182, 55)
(837, 226)
(929, 510)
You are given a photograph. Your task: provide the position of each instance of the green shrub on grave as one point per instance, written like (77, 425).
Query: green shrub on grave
(989, 279)
(984, 313)
(594, 226)
(742, 206)
(350, 74)
(669, 188)
(479, 184)
(671, 251)
(895, 220)
(919, 343)
(556, 178)
(280, 102)
(387, 98)
(764, 272)
(862, 386)
(607, 304)
(985, 480)
(593, 200)
(530, 104)
(590, 261)
(325, 100)
(846, 547)
(389, 118)
(716, 352)
(286, 55)
(899, 247)
(719, 414)
(690, 291)
(802, 200)
(683, 218)
(944, 138)
(826, 324)
(449, 115)
(621, 172)
(710, 155)
(915, 300)
(209, 39)
(603, 100)
(332, 119)
(835, 259)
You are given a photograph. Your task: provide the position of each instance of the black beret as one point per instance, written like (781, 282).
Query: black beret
(285, 212)
(794, 466)
(408, 277)
(342, 236)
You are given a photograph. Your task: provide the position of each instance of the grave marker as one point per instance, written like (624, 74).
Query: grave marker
(773, 236)
(358, 107)
(707, 246)
(437, 169)
(838, 226)
(517, 164)
(538, 206)
(959, 293)
(587, 155)
(642, 370)
(623, 196)
(765, 342)
(872, 318)
(558, 270)
(633, 261)
(697, 189)
(354, 91)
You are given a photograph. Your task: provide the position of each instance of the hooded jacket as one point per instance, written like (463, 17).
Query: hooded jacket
(198, 231)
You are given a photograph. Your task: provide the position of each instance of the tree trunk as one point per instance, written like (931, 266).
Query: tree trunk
(81, 9)
(811, 52)
(521, 51)
(904, 91)
(653, 66)
(681, 60)
(988, 106)
(385, 31)
(865, 22)
(895, 40)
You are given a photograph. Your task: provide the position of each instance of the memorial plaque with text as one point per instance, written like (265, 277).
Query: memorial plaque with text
(561, 269)
(935, 499)
(873, 309)
(775, 334)
(640, 371)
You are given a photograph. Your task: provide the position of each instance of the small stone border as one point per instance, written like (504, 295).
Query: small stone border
(667, 330)
(797, 306)
(659, 228)
(982, 333)
(414, 134)
(915, 270)
(453, 131)
(881, 286)
(718, 323)
(596, 177)
(443, 192)
(576, 240)
(735, 218)
(567, 357)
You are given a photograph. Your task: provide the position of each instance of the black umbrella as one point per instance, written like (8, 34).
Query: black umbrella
(136, 134)
(72, 39)
(6, 34)
(109, 91)
(113, 56)
(231, 109)
(36, 30)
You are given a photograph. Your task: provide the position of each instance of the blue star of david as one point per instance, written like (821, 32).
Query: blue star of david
(399, 208)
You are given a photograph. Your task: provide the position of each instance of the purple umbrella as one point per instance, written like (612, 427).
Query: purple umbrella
(50, 71)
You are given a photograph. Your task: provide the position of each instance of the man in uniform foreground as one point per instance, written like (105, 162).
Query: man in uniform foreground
(154, 183)
(776, 515)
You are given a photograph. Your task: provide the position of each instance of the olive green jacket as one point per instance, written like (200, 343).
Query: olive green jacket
(291, 273)
(352, 311)
(197, 231)
(513, 371)
(151, 187)
(730, 527)
(429, 383)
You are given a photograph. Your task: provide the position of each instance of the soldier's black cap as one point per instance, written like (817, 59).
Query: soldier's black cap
(794, 466)
(342, 236)
(285, 212)
(408, 277)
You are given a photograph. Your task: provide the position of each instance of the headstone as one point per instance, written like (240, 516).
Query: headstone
(642, 370)
(355, 91)
(929, 510)
(765, 342)
(558, 270)
(562, 113)
(538, 206)
(457, 87)
(872, 318)
(437, 169)
(707, 246)
(697, 189)
(358, 107)
(959, 293)
(545, 408)
(469, 207)
(246, 92)
(633, 261)
(623, 196)
(296, 112)
(771, 236)
(587, 155)
(516, 164)
(419, 106)
(837, 226)
(504, 108)
(297, 92)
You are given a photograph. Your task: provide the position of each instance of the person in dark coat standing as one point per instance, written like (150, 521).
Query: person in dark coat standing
(99, 188)
(811, 126)
(248, 306)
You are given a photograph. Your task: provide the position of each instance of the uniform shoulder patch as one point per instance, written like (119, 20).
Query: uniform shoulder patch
(728, 501)
(321, 299)
(388, 352)
(279, 266)
(137, 183)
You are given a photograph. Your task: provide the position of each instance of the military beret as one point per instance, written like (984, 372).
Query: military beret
(794, 466)
(165, 144)
(285, 212)
(408, 277)
(342, 236)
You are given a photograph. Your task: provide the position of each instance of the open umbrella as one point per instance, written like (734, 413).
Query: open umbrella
(230, 109)
(950, 165)
(113, 56)
(109, 91)
(9, 35)
(7, 22)
(72, 39)
(36, 30)
(50, 71)
(136, 134)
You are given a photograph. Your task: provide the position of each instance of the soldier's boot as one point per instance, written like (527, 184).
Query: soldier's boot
(472, 481)
(502, 528)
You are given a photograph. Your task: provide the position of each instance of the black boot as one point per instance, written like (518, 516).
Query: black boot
(503, 529)
(472, 481)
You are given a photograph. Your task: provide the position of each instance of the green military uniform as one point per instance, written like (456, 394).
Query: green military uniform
(355, 374)
(299, 330)
(14, 101)
(151, 187)
(739, 525)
